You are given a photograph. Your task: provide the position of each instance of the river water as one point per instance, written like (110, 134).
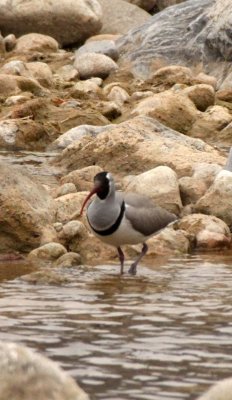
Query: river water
(164, 334)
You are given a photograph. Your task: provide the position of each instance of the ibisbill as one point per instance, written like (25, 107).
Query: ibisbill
(119, 218)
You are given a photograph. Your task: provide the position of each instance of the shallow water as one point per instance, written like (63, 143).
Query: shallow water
(164, 334)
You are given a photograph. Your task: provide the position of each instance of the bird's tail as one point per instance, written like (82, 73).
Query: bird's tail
(228, 166)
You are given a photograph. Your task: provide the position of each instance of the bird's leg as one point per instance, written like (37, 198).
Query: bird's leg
(133, 267)
(121, 258)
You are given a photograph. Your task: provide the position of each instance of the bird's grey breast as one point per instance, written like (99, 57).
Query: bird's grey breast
(102, 214)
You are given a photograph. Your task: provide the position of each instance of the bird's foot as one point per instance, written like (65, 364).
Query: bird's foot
(133, 269)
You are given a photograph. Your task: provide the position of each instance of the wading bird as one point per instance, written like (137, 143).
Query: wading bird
(119, 218)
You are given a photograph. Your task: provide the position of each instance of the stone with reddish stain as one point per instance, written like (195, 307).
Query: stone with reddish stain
(210, 232)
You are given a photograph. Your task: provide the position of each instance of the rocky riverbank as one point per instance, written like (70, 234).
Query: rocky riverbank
(126, 102)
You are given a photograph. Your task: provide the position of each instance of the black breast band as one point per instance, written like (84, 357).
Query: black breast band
(113, 227)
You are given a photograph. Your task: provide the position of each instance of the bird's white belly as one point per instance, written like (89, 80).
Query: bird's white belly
(125, 234)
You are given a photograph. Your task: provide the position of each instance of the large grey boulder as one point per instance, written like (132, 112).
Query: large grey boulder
(26, 375)
(191, 33)
(67, 21)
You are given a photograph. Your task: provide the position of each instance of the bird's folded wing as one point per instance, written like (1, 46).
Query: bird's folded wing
(148, 220)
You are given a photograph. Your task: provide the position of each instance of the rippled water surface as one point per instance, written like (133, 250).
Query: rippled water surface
(164, 334)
